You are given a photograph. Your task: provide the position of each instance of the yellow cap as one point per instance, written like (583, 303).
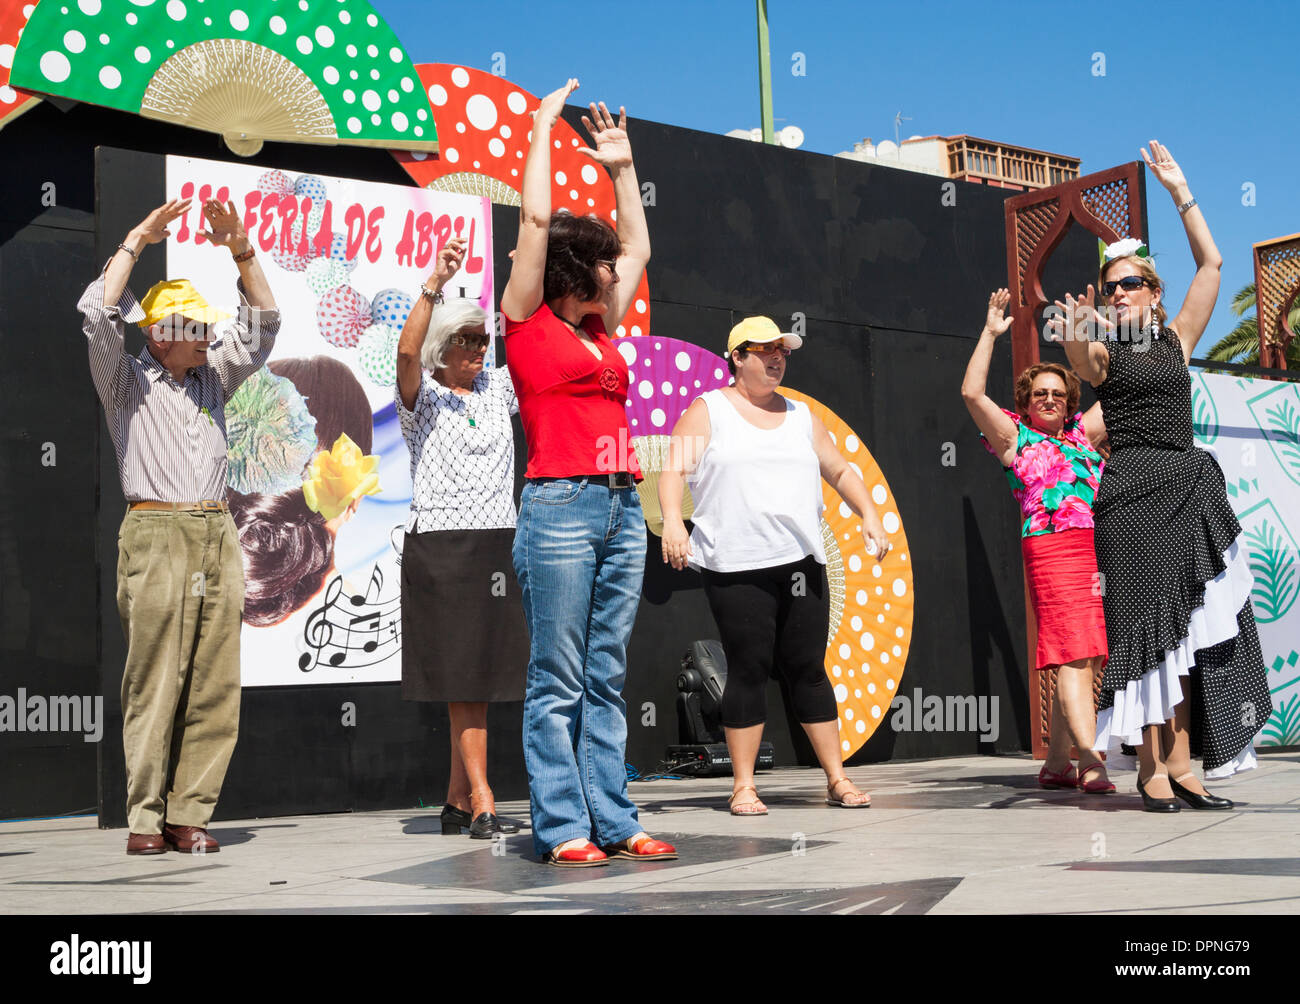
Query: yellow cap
(759, 330)
(178, 296)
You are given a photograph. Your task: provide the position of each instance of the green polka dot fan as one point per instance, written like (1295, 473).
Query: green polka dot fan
(299, 71)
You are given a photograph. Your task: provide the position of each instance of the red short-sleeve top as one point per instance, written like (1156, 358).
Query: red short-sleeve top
(572, 404)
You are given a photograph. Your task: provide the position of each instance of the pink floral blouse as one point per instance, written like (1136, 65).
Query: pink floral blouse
(1054, 480)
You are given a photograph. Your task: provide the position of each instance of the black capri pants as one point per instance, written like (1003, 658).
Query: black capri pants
(776, 614)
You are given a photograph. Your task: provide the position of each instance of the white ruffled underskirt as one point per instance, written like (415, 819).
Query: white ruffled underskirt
(1152, 699)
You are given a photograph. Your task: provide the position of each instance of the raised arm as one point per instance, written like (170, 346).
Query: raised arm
(689, 439)
(251, 337)
(411, 343)
(226, 230)
(1081, 330)
(104, 316)
(1194, 315)
(998, 429)
(523, 292)
(614, 151)
(837, 473)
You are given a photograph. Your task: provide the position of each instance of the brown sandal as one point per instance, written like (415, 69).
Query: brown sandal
(839, 802)
(744, 808)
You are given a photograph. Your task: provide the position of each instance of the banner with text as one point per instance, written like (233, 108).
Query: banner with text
(345, 260)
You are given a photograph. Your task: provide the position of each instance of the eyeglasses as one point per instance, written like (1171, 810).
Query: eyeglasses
(1129, 283)
(609, 263)
(767, 348)
(469, 341)
(1055, 395)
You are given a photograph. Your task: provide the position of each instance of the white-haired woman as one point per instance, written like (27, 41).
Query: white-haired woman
(463, 635)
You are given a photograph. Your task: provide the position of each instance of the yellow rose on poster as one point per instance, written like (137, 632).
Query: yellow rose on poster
(339, 478)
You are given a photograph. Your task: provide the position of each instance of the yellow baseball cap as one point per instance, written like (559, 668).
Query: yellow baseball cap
(178, 296)
(759, 330)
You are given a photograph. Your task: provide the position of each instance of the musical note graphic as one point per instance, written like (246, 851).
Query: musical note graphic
(377, 582)
(341, 639)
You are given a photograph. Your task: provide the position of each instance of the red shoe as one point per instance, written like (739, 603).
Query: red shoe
(1066, 779)
(645, 849)
(586, 856)
(1101, 786)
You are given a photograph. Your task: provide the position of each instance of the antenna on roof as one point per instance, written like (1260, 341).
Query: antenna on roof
(899, 119)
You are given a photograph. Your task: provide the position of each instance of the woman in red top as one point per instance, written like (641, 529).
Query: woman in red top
(579, 547)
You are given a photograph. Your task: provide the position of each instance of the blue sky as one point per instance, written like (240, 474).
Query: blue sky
(1214, 82)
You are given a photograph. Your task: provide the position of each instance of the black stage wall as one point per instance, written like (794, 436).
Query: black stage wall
(891, 278)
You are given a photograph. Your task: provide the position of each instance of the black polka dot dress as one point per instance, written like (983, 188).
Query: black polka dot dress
(1176, 582)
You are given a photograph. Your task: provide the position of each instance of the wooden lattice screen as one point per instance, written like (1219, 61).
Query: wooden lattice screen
(1111, 205)
(1277, 284)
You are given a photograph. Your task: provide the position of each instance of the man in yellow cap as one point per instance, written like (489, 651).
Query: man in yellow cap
(180, 575)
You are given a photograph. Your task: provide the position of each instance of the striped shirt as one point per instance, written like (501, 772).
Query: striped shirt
(170, 438)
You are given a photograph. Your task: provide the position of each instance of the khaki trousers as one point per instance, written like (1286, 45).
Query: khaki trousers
(180, 593)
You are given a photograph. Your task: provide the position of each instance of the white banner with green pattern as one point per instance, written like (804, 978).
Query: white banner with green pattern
(1253, 429)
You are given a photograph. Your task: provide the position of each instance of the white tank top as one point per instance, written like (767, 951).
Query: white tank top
(757, 492)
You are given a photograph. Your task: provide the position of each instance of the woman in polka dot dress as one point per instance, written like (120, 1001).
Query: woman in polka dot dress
(1048, 452)
(1186, 677)
(756, 460)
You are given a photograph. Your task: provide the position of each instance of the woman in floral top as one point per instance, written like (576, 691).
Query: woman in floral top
(1049, 454)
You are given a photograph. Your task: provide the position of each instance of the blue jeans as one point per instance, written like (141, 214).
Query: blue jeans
(579, 554)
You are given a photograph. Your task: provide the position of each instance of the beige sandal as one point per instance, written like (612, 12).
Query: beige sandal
(839, 802)
(746, 808)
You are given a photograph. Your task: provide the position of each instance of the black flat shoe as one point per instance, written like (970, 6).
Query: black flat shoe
(1206, 801)
(506, 825)
(1150, 804)
(454, 820)
(485, 826)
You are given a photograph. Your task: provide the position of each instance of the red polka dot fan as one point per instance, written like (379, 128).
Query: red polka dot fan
(13, 18)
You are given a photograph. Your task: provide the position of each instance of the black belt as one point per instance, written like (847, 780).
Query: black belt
(619, 479)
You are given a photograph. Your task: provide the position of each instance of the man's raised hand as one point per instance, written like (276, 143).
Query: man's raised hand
(153, 228)
(226, 229)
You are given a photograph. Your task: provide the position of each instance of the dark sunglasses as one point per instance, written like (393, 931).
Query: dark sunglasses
(1057, 395)
(465, 341)
(1129, 283)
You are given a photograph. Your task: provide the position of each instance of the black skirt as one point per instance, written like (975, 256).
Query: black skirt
(1177, 581)
(463, 632)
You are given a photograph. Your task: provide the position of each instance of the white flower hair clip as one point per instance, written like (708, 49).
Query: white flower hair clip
(1128, 246)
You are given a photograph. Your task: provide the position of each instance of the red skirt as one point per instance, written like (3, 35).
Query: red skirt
(1065, 589)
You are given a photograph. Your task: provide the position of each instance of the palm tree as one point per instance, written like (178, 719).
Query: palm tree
(1241, 344)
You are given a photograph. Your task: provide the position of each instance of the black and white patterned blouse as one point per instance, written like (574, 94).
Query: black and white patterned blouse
(462, 454)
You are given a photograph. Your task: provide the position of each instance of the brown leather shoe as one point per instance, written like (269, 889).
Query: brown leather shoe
(145, 843)
(190, 839)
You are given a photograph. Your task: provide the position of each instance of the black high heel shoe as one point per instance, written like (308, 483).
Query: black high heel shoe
(486, 825)
(454, 820)
(1206, 801)
(1150, 804)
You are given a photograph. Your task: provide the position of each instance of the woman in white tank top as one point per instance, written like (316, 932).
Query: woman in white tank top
(755, 460)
